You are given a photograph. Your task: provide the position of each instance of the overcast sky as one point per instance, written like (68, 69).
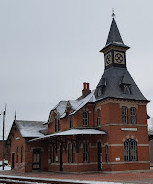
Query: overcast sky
(48, 48)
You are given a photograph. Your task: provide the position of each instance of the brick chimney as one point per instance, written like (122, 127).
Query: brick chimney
(86, 91)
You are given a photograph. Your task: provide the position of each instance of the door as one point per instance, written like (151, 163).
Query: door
(13, 157)
(99, 156)
(61, 158)
(36, 159)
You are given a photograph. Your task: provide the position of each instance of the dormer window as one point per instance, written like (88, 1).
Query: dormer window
(99, 92)
(125, 85)
(85, 118)
(126, 89)
(101, 87)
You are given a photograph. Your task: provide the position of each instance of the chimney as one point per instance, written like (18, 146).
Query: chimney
(86, 91)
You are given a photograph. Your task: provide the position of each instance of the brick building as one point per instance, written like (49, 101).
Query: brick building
(103, 130)
(6, 151)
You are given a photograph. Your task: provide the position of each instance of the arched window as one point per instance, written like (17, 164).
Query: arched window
(130, 150)
(85, 118)
(17, 154)
(21, 154)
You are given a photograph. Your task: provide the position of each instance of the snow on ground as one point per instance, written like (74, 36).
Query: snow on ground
(6, 167)
(58, 180)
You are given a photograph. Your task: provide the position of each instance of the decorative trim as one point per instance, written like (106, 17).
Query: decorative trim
(128, 105)
(32, 148)
(97, 107)
(117, 145)
(119, 101)
(131, 162)
(122, 124)
(129, 129)
(84, 163)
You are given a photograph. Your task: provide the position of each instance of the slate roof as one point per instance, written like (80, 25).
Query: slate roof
(31, 129)
(111, 80)
(114, 36)
(114, 76)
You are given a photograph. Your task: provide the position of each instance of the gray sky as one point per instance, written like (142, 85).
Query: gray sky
(48, 48)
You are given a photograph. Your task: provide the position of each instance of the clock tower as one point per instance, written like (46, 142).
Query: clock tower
(115, 49)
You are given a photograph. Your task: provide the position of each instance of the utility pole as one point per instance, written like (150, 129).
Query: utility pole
(3, 136)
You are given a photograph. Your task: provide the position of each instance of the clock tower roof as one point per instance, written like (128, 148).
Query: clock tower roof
(114, 37)
(116, 82)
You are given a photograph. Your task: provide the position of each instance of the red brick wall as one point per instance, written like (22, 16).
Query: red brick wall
(18, 141)
(29, 155)
(6, 150)
(111, 122)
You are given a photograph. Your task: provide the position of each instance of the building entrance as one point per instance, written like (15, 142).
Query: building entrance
(61, 158)
(13, 157)
(36, 159)
(99, 156)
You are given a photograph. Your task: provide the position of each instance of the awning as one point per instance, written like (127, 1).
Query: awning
(72, 132)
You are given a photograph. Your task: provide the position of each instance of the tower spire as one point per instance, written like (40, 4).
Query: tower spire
(114, 37)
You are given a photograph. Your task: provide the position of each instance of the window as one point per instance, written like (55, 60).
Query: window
(55, 125)
(50, 154)
(98, 117)
(106, 152)
(85, 152)
(133, 115)
(130, 150)
(71, 121)
(69, 157)
(54, 154)
(21, 154)
(127, 89)
(17, 154)
(58, 124)
(85, 118)
(73, 153)
(124, 114)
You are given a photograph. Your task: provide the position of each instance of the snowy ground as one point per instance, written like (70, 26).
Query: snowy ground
(61, 180)
(7, 167)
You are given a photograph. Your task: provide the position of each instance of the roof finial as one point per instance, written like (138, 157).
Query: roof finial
(113, 14)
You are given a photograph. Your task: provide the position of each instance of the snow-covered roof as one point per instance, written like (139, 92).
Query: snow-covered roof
(81, 103)
(75, 104)
(31, 128)
(73, 132)
(60, 107)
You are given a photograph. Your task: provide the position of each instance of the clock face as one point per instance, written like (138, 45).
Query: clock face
(108, 59)
(118, 58)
